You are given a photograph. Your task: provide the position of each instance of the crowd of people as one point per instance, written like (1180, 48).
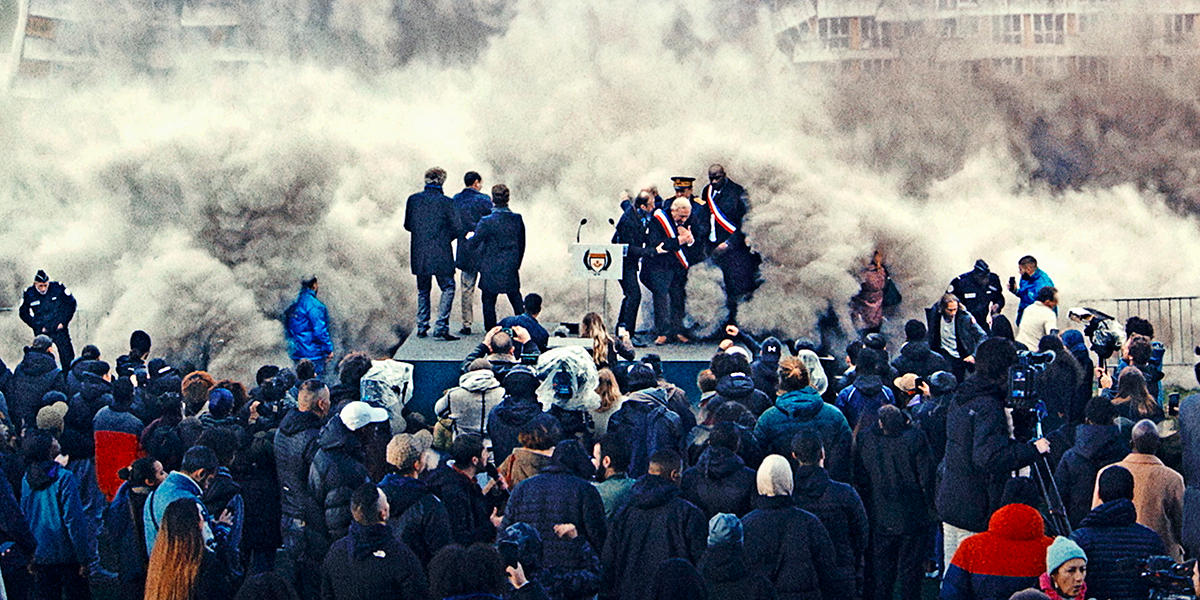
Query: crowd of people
(579, 471)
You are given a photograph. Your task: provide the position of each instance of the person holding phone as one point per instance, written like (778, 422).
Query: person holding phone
(1033, 280)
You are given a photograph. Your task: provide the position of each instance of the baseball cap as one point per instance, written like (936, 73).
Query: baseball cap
(358, 414)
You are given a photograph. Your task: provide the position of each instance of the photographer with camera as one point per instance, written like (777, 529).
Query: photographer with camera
(499, 347)
(980, 454)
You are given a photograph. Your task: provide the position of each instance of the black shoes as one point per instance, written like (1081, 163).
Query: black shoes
(464, 331)
(422, 334)
(446, 337)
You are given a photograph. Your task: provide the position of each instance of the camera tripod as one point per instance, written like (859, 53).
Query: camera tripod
(1044, 475)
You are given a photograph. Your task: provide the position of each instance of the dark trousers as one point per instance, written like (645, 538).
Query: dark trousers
(897, 557)
(55, 582)
(17, 580)
(294, 561)
(62, 343)
(739, 268)
(668, 288)
(489, 306)
(632, 290)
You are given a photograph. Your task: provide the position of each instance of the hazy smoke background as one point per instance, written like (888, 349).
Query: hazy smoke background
(189, 204)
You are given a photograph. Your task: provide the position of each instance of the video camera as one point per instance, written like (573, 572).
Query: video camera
(1167, 579)
(1023, 392)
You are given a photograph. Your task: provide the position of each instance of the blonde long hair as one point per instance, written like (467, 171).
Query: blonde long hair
(608, 390)
(175, 562)
(593, 327)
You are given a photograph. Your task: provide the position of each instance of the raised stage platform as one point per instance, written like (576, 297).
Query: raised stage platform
(436, 365)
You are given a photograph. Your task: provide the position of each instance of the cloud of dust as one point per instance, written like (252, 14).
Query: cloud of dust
(191, 203)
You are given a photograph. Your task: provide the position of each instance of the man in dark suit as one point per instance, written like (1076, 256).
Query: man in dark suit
(499, 242)
(725, 208)
(665, 271)
(435, 224)
(631, 231)
(472, 205)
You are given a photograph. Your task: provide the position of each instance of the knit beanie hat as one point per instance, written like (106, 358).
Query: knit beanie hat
(521, 382)
(775, 476)
(1062, 550)
(724, 528)
(406, 449)
(52, 416)
(41, 342)
(220, 402)
(942, 383)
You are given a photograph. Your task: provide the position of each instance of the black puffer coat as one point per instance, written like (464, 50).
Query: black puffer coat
(295, 446)
(655, 526)
(727, 578)
(980, 456)
(719, 483)
(337, 470)
(840, 510)
(416, 517)
(895, 472)
(505, 423)
(1110, 536)
(739, 388)
(1096, 447)
(791, 547)
(765, 370)
(917, 358)
(37, 374)
(550, 498)
(466, 507)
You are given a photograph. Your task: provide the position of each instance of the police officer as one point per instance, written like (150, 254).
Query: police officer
(980, 293)
(631, 231)
(47, 308)
(724, 208)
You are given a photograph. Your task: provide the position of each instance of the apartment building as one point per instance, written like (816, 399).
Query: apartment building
(1045, 38)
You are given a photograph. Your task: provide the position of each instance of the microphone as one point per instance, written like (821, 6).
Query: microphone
(582, 222)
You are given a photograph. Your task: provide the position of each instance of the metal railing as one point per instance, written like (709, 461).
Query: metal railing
(1172, 317)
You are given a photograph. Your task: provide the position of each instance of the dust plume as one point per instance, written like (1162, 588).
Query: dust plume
(190, 201)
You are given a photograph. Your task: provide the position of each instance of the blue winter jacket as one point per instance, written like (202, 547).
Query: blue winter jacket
(1028, 288)
(308, 327)
(176, 486)
(805, 408)
(50, 501)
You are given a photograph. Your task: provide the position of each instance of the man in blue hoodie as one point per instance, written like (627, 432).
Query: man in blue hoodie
(308, 328)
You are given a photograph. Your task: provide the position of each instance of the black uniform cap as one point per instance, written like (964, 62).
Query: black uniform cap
(41, 277)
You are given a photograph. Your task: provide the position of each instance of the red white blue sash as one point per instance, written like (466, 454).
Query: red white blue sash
(718, 216)
(669, 227)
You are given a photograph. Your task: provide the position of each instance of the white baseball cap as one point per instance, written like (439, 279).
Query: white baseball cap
(357, 414)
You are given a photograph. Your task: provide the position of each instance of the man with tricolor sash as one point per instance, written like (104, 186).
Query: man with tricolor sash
(724, 208)
(665, 270)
